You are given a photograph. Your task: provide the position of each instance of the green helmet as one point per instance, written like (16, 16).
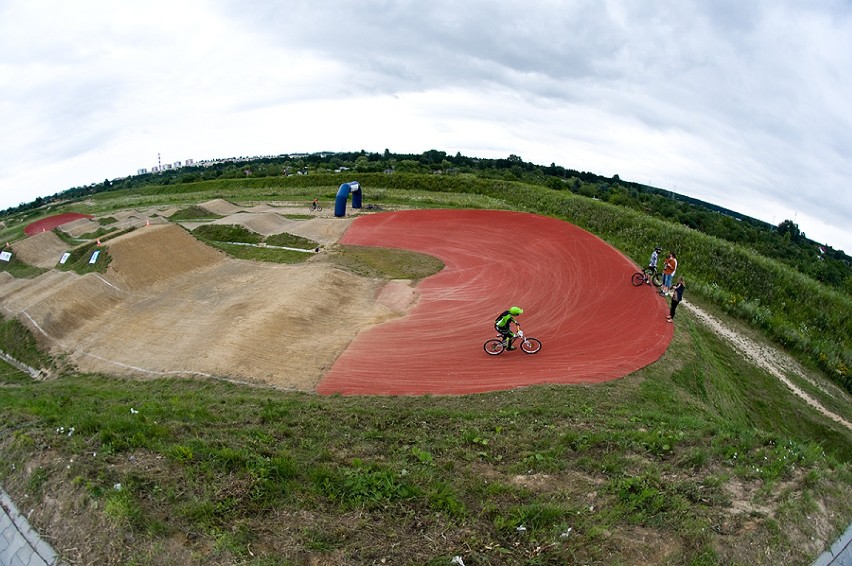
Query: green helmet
(515, 311)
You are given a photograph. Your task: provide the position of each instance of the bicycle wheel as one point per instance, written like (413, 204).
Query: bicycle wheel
(657, 279)
(494, 347)
(638, 278)
(530, 345)
(319, 209)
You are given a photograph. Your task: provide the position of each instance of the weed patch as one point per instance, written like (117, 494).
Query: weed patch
(385, 262)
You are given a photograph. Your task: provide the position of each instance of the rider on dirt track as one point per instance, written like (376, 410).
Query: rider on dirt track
(502, 325)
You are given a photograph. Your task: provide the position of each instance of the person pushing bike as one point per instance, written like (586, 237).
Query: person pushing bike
(503, 322)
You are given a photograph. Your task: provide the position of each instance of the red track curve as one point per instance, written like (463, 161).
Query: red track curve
(574, 288)
(51, 222)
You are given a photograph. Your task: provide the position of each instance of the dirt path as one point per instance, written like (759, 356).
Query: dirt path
(770, 359)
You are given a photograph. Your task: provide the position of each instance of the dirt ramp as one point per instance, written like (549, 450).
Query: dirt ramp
(154, 254)
(76, 304)
(77, 228)
(266, 223)
(41, 250)
(323, 230)
(220, 206)
(18, 295)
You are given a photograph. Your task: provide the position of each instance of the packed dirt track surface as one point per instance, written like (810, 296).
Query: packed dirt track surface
(169, 305)
(574, 288)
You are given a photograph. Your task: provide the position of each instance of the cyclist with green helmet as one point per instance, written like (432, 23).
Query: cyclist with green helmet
(502, 325)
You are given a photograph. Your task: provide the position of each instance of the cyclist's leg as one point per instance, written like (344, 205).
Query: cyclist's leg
(505, 334)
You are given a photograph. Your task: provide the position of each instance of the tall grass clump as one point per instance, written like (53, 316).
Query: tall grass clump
(18, 342)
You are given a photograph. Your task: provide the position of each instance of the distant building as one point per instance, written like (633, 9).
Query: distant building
(141, 171)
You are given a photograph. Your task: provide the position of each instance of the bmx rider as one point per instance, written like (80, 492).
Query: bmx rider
(503, 322)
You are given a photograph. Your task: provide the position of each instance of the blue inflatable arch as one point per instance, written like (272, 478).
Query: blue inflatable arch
(353, 187)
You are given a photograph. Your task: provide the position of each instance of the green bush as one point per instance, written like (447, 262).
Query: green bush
(227, 233)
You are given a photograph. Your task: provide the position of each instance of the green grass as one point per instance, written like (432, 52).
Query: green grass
(255, 253)
(80, 259)
(227, 238)
(385, 262)
(19, 269)
(193, 213)
(290, 241)
(227, 233)
(11, 375)
(18, 342)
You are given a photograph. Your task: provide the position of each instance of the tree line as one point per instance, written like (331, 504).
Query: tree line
(784, 242)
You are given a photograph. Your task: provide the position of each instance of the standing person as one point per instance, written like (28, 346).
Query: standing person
(677, 297)
(502, 324)
(669, 268)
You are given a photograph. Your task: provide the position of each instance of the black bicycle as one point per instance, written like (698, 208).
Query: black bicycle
(315, 207)
(647, 276)
(496, 346)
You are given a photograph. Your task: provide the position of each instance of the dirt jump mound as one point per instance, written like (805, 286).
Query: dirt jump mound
(575, 290)
(155, 254)
(43, 249)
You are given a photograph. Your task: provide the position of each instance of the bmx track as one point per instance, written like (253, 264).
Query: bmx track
(169, 305)
(574, 288)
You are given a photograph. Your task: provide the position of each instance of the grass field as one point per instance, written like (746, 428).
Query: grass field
(700, 459)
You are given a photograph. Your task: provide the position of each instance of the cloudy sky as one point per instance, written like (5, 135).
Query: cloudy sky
(741, 103)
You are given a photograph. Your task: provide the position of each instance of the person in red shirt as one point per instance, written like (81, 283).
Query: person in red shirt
(669, 268)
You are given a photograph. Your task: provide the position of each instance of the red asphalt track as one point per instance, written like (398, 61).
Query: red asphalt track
(51, 222)
(574, 288)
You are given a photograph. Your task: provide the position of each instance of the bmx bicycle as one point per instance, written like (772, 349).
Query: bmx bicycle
(315, 207)
(496, 346)
(648, 276)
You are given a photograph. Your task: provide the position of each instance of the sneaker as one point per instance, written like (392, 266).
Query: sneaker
(513, 348)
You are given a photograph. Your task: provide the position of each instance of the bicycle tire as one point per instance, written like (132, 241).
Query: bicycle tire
(657, 279)
(530, 345)
(637, 279)
(494, 347)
